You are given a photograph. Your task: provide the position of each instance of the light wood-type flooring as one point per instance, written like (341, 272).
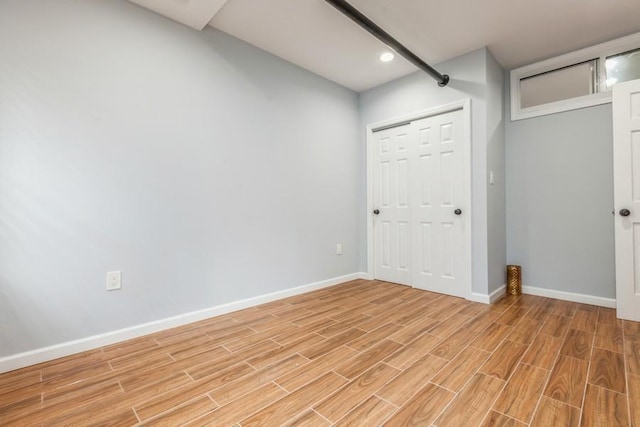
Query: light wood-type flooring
(364, 353)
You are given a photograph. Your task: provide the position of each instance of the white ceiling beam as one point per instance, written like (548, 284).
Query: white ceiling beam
(194, 13)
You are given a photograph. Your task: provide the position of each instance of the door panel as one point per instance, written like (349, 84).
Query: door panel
(425, 266)
(385, 245)
(403, 183)
(635, 171)
(425, 171)
(403, 245)
(385, 185)
(446, 178)
(448, 253)
(636, 262)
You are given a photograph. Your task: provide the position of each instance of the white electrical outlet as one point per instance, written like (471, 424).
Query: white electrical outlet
(339, 249)
(114, 280)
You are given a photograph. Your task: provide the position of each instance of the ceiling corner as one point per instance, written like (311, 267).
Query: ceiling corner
(194, 13)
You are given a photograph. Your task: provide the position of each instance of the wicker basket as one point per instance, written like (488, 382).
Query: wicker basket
(514, 279)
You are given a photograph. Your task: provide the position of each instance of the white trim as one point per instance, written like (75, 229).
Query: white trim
(570, 296)
(17, 361)
(417, 115)
(490, 298)
(559, 106)
(602, 95)
(478, 297)
(465, 105)
(498, 293)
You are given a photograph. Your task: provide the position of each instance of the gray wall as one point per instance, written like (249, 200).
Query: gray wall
(418, 92)
(496, 196)
(204, 169)
(560, 198)
(209, 171)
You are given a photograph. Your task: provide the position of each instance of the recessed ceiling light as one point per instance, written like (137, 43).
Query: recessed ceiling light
(387, 57)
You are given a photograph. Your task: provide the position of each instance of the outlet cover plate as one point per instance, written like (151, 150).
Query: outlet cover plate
(114, 280)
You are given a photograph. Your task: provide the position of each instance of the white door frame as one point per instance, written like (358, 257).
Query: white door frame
(465, 105)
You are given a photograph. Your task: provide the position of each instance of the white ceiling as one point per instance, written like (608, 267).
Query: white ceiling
(194, 13)
(313, 35)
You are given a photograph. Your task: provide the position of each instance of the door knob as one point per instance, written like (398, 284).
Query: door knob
(625, 212)
(376, 211)
(458, 212)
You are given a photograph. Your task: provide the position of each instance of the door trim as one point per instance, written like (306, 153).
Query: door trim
(465, 106)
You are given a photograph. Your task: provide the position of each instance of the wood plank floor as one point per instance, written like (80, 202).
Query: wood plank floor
(364, 353)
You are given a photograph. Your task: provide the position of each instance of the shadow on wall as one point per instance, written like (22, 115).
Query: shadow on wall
(468, 87)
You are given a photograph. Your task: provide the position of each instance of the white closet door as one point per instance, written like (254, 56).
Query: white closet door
(440, 215)
(392, 189)
(422, 221)
(626, 174)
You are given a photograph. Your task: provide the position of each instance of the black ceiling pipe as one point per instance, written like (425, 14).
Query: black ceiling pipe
(366, 23)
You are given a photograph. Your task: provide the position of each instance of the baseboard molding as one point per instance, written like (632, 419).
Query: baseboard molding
(488, 298)
(478, 297)
(498, 293)
(21, 360)
(569, 296)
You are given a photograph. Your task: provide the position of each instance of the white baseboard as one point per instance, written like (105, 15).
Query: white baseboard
(478, 297)
(543, 292)
(498, 293)
(569, 296)
(21, 360)
(487, 299)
